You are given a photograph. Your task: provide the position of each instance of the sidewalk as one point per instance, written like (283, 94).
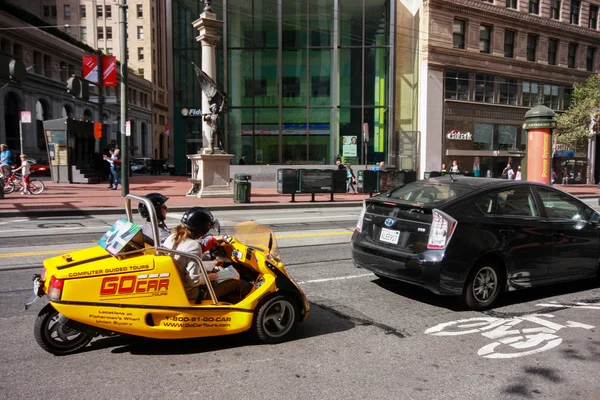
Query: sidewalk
(63, 199)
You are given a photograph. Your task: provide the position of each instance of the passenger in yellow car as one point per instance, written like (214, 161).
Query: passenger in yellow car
(160, 206)
(195, 224)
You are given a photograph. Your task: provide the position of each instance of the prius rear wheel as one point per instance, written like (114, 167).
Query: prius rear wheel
(275, 319)
(484, 286)
(54, 335)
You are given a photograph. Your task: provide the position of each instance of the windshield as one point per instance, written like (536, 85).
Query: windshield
(258, 236)
(428, 192)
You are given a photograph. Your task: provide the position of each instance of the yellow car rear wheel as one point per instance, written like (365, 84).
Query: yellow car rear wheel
(54, 335)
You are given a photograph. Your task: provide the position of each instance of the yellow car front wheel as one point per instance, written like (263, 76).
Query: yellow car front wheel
(275, 319)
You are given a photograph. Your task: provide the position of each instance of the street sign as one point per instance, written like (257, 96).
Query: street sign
(97, 130)
(127, 128)
(26, 117)
(109, 71)
(366, 132)
(90, 69)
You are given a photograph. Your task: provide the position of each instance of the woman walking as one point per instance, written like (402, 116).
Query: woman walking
(350, 179)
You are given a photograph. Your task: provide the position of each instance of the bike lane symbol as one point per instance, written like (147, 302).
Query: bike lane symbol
(510, 341)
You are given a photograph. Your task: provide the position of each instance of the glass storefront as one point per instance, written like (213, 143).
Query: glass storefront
(300, 76)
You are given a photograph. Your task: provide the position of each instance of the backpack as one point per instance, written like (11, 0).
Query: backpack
(505, 173)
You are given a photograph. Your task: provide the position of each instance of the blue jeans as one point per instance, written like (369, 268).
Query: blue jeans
(116, 177)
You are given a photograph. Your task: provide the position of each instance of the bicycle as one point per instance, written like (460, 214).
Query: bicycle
(509, 340)
(35, 185)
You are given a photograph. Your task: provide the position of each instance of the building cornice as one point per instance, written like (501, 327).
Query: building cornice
(525, 20)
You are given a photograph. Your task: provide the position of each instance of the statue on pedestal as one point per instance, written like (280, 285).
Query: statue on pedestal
(207, 6)
(217, 101)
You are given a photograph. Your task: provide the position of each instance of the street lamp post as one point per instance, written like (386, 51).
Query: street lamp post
(124, 138)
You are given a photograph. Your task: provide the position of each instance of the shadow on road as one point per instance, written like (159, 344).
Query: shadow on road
(320, 322)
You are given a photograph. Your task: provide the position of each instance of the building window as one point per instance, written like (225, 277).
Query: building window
(575, 8)
(68, 30)
(84, 33)
(140, 32)
(67, 11)
(258, 87)
(109, 32)
(589, 59)
(555, 9)
(534, 6)
(99, 11)
(321, 86)
(141, 71)
(140, 11)
(140, 53)
(291, 86)
(484, 88)
(457, 85)
(572, 58)
(100, 32)
(567, 98)
(531, 93)
(509, 44)
(511, 4)
(552, 47)
(82, 11)
(109, 51)
(108, 12)
(531, 47)
(50, 11)
(593, 22)
(485, 36)
(508, 91)
(458, 34)
(551, 96)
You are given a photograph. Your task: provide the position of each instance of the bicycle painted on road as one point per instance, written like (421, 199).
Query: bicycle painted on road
(509, 340)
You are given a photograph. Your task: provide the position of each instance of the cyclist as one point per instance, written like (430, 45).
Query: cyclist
(25, 172)
(5, 161)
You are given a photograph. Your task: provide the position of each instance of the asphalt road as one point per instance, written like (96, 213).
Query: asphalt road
(365, 337)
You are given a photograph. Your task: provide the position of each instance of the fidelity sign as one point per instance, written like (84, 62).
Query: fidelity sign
(456, 135)
(191, 112)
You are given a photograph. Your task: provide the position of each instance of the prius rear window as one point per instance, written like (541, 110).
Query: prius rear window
(427, 192)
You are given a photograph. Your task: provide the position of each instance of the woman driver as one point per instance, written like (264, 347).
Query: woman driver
(196, 223)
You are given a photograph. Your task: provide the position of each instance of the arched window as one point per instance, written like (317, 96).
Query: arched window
(67, 111)
(87, 115)
(41, 115)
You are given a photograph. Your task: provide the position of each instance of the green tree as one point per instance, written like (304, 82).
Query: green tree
(573, 126)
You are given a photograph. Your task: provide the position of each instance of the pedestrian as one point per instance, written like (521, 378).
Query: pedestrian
(339, 164)
(350, 178)
(5, 161)
(110, 161)
(565, 180)
(454, 168)
(508, 172)
(25, 172)
(242, 161)
(160, 208)
(116, 169)
(382, 165)
(444, 169)
(554, 177)
(518, 174)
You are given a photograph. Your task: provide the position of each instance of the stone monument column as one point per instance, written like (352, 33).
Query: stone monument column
(210, 172)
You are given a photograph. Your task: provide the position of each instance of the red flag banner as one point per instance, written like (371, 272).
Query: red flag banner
(109, 71)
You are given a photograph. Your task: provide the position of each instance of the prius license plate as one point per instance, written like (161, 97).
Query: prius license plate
(389, 236)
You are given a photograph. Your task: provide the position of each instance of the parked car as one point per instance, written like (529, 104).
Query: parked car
(40, 169)
(141, 165)
(477, 237)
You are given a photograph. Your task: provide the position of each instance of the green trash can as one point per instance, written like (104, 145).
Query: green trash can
(241, 188)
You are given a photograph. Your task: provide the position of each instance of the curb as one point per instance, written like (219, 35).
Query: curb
(117, 210)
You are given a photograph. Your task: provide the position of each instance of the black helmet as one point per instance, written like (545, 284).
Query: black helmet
(199, 220)
(158, 200)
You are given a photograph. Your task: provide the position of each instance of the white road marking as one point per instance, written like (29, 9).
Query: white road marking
(12, 222)
(576, 305)
(337, 278)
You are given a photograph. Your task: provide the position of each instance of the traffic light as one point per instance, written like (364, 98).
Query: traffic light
(78, 87)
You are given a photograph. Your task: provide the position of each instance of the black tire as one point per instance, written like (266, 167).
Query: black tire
(36, 186)
(9, 188)
(484, 285)
(56, 339)
(275, 319)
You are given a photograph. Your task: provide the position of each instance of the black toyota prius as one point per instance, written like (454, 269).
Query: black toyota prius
(477, 237)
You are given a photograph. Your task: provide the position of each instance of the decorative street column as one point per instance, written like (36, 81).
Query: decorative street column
(539, 123)
(210, 172)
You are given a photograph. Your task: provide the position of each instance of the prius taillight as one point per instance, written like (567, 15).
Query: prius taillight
(359, 223)
(55, 289)
(442, 228)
